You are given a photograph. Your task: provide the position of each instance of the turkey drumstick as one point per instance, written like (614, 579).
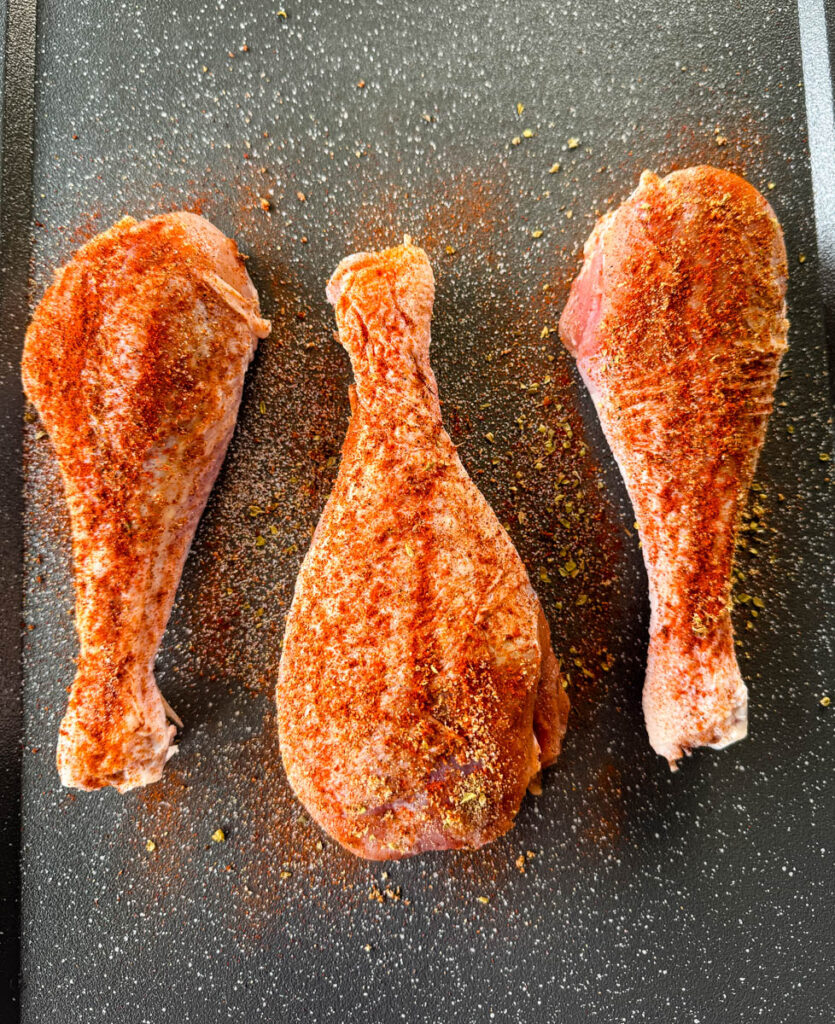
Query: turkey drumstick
(135, 360)
(678, 324)
(418, 695)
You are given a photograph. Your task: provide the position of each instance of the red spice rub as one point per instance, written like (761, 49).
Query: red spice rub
(677, 322)
(135, 360)
(418, 695)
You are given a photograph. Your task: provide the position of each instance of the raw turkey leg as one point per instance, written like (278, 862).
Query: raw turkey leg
(418, 695)
(678, 324)
(135, 360)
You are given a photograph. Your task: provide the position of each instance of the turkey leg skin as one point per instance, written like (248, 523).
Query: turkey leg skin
(677, 322)
(418, 694)
(135, 360)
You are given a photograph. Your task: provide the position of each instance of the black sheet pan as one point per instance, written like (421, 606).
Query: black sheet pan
(624, 893)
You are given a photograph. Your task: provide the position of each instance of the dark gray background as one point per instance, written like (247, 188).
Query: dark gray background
(700, 897)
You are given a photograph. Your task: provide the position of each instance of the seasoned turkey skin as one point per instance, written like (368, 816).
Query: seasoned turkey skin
(677, 322)
(135, 360)
(418, 694)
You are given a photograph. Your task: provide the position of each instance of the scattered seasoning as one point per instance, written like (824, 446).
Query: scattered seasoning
(390, 893)
(553, 168)
(301, 197)
(218, 836)
(520, 107)
(824, 456)
(527, 133)
(285, 874)
(150, 846)
(483, 899)
(449, 250)
(265, 204)
(361, 83)
(573, 143)
(537, 233)
(825, 702)
(770, 185)
(282, 13)
(515, 140)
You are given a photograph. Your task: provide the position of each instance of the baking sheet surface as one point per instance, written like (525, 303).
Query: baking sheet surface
(624, 893)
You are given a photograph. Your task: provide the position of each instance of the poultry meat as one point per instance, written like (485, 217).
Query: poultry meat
(677, 322)
(418, 695)
(135, 361)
